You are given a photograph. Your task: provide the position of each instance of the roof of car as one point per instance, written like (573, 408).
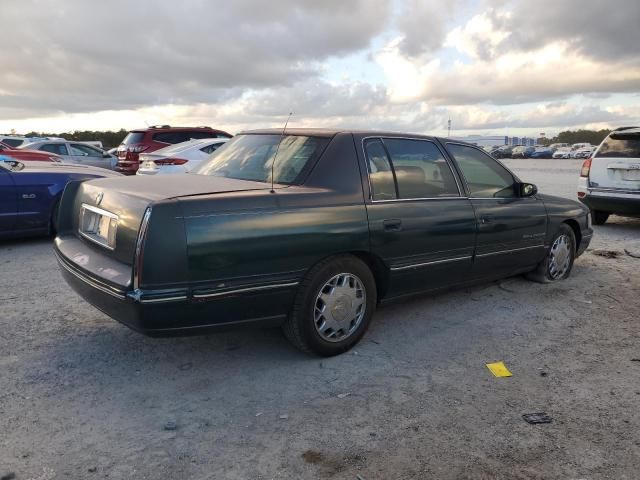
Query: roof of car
(328, 133)
(161, 128)
(627, 131)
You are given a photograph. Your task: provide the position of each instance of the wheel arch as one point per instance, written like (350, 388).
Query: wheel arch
(576, 230)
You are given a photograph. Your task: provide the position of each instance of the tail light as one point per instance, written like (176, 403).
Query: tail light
(586, 167)
(139, 255)
(170, 161)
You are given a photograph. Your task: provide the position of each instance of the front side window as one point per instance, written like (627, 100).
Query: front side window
(383, 185)
(80, 150)
(57, 148)
(251, 157)
(485, 177)
(421, 169)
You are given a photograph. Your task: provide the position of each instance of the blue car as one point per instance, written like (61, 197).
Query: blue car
(542, 152)
(30, 191)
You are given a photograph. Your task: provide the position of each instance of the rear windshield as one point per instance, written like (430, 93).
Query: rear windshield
(13, 142)
(620, 146)
(133, 137)
(250, 157)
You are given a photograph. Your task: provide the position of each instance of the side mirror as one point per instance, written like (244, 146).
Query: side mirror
(528, 189)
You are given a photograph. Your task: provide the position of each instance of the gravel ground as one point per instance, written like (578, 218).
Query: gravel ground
(84, 397)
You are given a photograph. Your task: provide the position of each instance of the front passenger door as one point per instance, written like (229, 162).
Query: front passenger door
(511, 228)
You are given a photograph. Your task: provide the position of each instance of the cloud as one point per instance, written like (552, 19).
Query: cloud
(79, 56)
(597, 29)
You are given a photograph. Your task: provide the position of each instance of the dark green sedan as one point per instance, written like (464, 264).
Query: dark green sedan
(309, 230)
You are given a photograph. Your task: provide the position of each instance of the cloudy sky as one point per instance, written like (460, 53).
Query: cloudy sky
(492, 66)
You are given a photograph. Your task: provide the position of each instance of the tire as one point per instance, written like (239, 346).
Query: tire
(598, 217)
(324, 321)
(548, 270)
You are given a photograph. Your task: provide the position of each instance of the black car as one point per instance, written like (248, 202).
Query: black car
(309, 230)
(502, 152)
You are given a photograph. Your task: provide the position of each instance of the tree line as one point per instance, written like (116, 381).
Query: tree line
(594, 137)
(108, 138)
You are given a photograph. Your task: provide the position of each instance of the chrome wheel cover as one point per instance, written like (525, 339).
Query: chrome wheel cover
(559, 257)
(339, 307)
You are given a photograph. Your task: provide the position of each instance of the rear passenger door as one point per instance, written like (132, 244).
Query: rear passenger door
(420, 224)
(8, 202)
(57, 148)
(511, 228)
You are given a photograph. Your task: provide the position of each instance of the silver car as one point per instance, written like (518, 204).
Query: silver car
(75, 152)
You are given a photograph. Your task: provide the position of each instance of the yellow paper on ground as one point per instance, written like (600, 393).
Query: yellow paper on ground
(499, 369)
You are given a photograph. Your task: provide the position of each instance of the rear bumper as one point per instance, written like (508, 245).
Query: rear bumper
(612, 201)
(177, 312)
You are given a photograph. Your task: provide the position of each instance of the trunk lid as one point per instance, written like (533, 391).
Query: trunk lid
(128, 198)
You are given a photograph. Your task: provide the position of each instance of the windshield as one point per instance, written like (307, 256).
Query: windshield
(133, 137)
(620, 146)
(249, 157)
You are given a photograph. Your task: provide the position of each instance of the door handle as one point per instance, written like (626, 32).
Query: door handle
(392, 225)
(486, 218)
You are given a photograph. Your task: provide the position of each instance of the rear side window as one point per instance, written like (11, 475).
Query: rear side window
(57, 148)
(420, 168)
(211, 148)
(81, 150)
(620, 146)
(485, 177)
(383, 185)
(171, 137)
(133, 137)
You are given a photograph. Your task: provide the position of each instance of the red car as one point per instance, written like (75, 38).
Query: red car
(24, 155)
(156, 137)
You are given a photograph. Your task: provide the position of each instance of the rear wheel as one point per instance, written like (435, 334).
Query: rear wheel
(333, 307)
(558, 263)
(598, 217)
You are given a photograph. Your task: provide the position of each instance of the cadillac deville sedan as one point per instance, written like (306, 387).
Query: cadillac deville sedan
(310, 230)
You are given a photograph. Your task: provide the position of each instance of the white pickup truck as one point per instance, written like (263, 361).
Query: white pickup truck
(610, 179)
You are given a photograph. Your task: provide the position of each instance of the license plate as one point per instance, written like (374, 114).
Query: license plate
(633, 175)
(149, 165)
(98, 225)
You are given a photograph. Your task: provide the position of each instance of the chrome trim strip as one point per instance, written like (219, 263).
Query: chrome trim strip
(142, 234)
(508, 251)
(165, 299)
(435, 262)
(444, 157)
(244, 290)
(416, 199)
(89, 281)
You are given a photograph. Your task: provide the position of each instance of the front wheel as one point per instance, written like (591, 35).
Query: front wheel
(558, 262)
(333, 307)
(599, 217)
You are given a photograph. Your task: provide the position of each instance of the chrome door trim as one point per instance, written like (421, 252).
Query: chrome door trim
(435, 262)
(500, 252)
(243, 290)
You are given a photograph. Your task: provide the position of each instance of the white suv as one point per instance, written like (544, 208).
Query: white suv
(610, 179)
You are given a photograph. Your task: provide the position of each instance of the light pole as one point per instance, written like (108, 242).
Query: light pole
(449, 128)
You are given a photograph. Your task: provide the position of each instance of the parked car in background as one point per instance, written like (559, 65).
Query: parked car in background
(154, 138)
(30, 192)
(578, 146)
(312, 237)
(502, 152)
(556, 146)
(584, 152)
(13, 140)
(522, 151)
(180, 158)
(542, 152)
(76, 152)
(28, 155)
(564, 152)
(610, 179)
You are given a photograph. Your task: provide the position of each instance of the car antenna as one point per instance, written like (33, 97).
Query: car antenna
(278, 148)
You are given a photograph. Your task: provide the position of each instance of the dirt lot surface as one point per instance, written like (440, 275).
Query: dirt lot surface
(84, 397)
